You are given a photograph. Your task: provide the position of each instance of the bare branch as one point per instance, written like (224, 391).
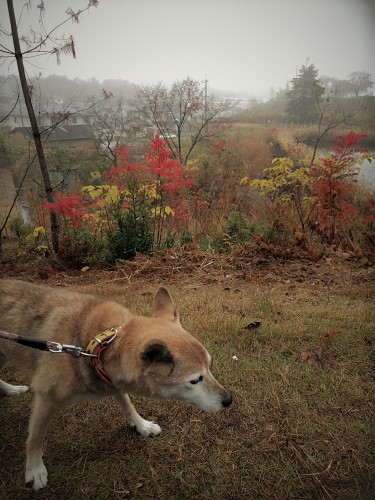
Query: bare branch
(66, 46)
(183, 115)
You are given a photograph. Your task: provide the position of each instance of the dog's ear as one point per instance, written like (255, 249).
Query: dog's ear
(156, 352)
(164, 306)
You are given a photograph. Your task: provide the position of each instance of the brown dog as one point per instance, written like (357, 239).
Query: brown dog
(152, 357)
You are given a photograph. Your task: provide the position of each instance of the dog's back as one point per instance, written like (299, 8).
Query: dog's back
(40, 312)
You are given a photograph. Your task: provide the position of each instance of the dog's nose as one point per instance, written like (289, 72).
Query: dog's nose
(227, 400)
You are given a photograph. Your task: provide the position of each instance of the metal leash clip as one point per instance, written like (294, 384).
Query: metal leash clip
(73, 350)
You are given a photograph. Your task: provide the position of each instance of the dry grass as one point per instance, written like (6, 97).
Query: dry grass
(301, 425)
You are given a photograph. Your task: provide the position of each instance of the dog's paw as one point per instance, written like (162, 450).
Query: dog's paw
(12, 390)
(147, 428)
(37, 477)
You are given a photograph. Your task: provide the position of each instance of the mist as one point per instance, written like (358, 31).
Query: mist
(246, 47)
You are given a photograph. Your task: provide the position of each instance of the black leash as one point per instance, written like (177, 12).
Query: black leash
(46, 345)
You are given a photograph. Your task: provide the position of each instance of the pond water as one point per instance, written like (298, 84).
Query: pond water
(367, 174)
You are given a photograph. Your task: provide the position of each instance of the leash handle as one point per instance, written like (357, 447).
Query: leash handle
(42, 345)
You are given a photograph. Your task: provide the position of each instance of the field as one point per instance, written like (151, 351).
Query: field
(302, 421)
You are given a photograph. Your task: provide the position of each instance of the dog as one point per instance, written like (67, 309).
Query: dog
(152, 357)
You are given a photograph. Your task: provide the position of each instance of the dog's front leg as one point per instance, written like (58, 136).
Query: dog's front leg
(12, 390)
(36, 473)
(144, 427)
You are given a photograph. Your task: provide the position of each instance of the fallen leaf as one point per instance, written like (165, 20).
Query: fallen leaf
(86, 268)
(304, 356)
(318, 353)
(330, 334)
(253, 325)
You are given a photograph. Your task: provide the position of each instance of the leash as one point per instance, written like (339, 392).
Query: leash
(45, 345)
(93, 352)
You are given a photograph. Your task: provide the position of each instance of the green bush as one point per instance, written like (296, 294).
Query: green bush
(239, 228)
(133, 235)
(186, 238)
(169, 241)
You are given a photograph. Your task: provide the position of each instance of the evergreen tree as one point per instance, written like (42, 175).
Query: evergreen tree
(304, 96)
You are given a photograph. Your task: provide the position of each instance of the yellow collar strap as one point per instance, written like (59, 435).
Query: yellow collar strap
(94, 349)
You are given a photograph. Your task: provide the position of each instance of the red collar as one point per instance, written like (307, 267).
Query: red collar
(94, 349)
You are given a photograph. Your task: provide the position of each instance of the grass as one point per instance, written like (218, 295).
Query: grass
(301, 424)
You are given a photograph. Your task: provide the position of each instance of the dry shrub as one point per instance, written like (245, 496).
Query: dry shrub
(257, 155)
(295, 149)
(308, 135)
(254, 144)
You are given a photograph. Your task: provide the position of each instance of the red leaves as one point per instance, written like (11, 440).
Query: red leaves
(159, 167)
(332, 185)
(167, 171)
(344, 144)
(69, 207)
(334, 206)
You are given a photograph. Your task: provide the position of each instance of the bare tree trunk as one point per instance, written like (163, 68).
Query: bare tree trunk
(34, 126)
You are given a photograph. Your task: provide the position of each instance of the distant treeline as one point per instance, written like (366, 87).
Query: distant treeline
(274, 111)
(62, 87)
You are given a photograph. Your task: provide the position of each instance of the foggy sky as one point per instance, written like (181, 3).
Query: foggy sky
(241, 45)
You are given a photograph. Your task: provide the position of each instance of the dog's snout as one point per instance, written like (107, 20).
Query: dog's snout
(227, 400)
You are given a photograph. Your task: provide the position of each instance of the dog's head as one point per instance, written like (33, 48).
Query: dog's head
(169, 362)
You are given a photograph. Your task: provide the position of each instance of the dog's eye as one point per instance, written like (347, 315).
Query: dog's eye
(199, 379)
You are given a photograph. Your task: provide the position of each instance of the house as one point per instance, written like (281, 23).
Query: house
(62, 136)
(138, 128)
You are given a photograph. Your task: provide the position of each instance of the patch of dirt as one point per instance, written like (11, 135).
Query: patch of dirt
(190, 265)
